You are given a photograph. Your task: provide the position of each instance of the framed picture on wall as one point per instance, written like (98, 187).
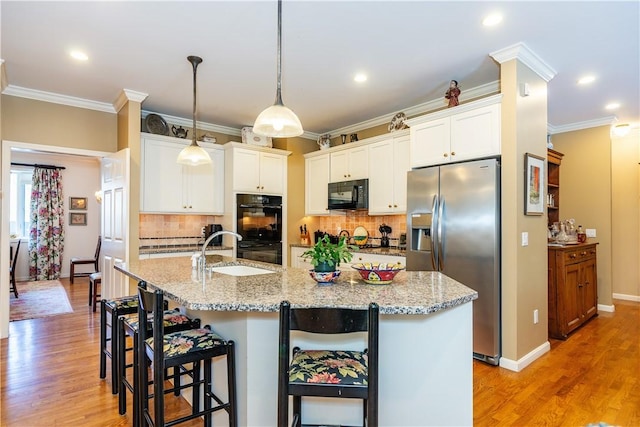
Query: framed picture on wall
(533, 184)
(78, 203)
(77, 218)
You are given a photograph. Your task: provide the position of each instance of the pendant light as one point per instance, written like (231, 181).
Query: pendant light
(194, 155)
(278, 120)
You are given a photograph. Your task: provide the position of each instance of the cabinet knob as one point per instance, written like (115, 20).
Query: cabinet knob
(583, 253)
(262, 188)
(344, 176)
(453, 153)
(395, 206)
(572, 256)
(446, 154)
(257, 187)
(389, 205)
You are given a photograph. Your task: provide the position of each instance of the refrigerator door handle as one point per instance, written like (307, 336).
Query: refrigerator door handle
(434, 220)
(441, 235)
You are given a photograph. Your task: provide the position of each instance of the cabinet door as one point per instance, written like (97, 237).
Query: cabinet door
(570, 296)
(430, 143)
(162, 180)
(358, 161)
(475, 133)
(381, 177)
(246, 170)
(401, 165)
(589, 287)
(272, 167)
(206, 185)
(316, 185)
(297, 261)
(340, 166)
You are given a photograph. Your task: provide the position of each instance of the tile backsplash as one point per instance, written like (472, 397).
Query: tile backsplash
(173, 229)
(351, 219)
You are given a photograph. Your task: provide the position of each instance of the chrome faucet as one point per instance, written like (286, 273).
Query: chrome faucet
(203, 259)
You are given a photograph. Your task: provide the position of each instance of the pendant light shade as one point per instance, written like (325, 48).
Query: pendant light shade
(194, 155)
(278, 120)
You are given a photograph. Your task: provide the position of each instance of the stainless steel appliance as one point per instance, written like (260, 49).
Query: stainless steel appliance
(259, 222)
(453, 226)
(349, 195)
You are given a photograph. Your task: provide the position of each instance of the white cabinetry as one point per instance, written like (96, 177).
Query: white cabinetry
(316, 170)
(350, 164)
(296, 258)
(468, 131)
(257, 170)
(168, 187)
(388, 166)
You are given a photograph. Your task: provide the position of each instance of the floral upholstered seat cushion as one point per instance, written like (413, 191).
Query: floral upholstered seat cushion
(171, 318)
(329, 367)
(190, 341)
(119, 304)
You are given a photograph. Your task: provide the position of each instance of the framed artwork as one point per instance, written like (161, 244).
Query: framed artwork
(77, 218)
(533, 184)
(78, 203)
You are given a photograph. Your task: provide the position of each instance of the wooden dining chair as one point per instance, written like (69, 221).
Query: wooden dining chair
(12, 270)
(80, 260)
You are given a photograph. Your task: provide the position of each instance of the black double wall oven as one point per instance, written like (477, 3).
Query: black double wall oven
(259, 222)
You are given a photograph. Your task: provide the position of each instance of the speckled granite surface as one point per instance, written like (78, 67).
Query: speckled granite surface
(416, 292)
(170, 249)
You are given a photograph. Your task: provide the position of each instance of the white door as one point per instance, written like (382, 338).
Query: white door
(115, 223)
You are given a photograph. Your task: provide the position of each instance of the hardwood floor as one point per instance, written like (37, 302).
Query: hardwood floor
(49, 375)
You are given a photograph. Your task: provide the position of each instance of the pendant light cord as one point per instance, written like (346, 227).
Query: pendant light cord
(195, 61)
(279, 58)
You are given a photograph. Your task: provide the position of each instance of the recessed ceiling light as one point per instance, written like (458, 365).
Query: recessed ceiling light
(360, 77)
(491, 20)
(586, 80)
(612, 106)
(79, 55)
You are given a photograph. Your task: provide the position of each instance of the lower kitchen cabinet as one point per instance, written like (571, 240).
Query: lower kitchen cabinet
(573, 288)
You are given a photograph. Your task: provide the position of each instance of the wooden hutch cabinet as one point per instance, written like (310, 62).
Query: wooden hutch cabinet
(554, 158)
(573, 287)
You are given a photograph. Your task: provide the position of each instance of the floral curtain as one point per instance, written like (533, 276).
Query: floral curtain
(46, 237)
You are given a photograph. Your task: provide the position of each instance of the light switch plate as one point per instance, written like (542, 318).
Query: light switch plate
(525, 238)
(591, 232)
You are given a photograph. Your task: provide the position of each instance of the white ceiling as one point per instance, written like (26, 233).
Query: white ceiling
(410, 51)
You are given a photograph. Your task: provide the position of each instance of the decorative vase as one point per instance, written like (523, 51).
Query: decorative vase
(324, 278)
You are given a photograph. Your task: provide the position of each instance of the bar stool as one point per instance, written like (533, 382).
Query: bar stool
(328, 373)
(174, 321)
(94, 280)
(195, 347)
(114, 308)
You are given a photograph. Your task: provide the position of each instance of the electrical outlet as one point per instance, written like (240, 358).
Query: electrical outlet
(525, 238)
(535, 317)
(591, 232)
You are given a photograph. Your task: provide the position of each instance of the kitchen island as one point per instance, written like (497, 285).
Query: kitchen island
(425, 336)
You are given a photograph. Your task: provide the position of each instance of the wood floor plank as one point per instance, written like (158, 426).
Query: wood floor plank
(49, 375)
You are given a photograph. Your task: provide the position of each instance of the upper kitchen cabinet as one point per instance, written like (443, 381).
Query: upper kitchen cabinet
(388, 166)
(168, 187)
(468, 131)
(257, 170)
(316, 184)
(350, 164)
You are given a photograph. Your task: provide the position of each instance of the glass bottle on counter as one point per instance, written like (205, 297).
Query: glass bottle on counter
(582, 236)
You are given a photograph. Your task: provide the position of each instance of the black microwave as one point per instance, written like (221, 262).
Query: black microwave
(349, 195)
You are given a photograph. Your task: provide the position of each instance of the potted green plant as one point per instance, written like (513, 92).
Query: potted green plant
(326, 256)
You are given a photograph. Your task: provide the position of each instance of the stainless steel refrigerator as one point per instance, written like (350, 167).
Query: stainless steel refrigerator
(453, 226)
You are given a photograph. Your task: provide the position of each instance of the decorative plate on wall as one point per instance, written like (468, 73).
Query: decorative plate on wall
(360, 236)
(156, 125)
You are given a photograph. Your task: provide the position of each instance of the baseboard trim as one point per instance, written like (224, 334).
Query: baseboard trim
(608, 308)
(626, 297)
(529, 358)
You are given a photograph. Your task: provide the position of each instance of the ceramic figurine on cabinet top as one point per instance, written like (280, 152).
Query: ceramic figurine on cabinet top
(453, 93)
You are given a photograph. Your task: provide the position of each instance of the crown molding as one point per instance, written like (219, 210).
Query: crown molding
(604, 121)
(56, 98)
(129, 95)
(180, 121)
(426, 107)
(528, 57)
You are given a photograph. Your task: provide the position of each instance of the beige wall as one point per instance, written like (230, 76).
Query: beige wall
(38, 122)
(585, 192)
(625, 215)
(524, 268)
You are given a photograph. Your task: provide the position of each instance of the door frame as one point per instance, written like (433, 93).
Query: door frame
(7, 147)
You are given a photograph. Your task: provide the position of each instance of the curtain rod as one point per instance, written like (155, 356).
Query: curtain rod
(38, 166)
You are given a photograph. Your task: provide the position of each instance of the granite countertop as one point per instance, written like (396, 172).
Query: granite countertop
(415, 292)
(378, 250)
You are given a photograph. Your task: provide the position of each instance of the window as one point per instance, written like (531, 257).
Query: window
(20, 203)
